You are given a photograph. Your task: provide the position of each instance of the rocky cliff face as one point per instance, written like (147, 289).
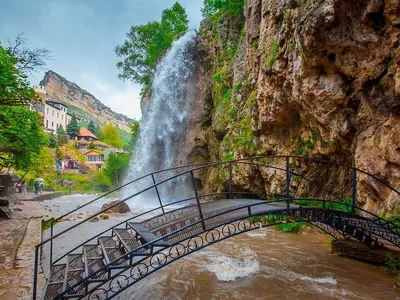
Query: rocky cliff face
(59, 88)
(304, 77)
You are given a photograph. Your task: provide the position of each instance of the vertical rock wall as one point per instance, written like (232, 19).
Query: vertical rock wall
(305, 77)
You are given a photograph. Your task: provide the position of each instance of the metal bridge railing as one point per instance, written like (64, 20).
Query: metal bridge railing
(257, 162)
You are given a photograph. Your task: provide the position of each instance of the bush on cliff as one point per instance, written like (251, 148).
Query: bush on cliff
(231, 7)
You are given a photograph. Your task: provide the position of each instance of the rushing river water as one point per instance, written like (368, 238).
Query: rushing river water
(266, 264)
(263, 264)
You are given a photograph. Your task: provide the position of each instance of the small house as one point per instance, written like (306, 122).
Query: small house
(94, 159)
(85, 134)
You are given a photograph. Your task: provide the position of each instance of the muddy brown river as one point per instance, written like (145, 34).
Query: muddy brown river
(266, 264)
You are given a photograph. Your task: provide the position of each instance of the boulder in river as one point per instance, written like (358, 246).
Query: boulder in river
(118, 209)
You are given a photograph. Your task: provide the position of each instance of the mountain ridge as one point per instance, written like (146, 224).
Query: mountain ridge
(61, 89)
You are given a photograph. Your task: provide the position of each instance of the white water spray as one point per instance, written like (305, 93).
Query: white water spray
(163, 126)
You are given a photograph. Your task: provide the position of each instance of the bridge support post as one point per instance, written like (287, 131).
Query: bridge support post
(35, 273)
(198, 200)
(230, 180)
(51, 243)
(158, 194)
(354, 191)
(288, 179)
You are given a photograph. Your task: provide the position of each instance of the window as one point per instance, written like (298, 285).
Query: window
(58, 114)
(47, 123)
(52, 113)
(52, 124)
(94, 158)
(62, 117)
(47, 110)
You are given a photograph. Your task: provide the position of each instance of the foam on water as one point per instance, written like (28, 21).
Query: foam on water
(258, 233)
(228, 268)
(327, 280)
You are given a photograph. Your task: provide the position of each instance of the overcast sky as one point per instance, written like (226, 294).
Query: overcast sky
(82, 35)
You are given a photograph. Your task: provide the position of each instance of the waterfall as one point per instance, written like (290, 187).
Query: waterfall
(164, 123)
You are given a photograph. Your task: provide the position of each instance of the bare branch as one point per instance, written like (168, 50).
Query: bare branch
(28, 60)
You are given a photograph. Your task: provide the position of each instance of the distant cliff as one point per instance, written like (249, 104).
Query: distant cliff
(59, 88)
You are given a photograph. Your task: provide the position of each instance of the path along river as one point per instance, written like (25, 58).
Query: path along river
(263, 264)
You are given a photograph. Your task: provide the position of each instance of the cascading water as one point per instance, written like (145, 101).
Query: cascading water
(164, 123)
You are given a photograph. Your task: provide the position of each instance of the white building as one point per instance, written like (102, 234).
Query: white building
(55, 114)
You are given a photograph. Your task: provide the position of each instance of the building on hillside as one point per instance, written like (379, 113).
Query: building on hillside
(113, 150)
(39, 106)
(85, 134)
(94, 159)
(55, 114)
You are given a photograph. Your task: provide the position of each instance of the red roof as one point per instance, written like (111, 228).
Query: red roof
(84, 132)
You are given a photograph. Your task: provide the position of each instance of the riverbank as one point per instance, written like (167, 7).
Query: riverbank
(18, 237)
(30, 196)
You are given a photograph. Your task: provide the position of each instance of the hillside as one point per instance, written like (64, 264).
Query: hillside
(85, 106)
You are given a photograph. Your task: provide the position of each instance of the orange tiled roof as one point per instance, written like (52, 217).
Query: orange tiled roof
(84, 132)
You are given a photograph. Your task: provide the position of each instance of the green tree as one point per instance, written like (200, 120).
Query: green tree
(92, 127)
(231, 7)
(109, 135)
(21, 136)
(145, 44)
(62, 137)
(101, 182)
(14, 62)
(43, 166)
(115, 166)
(52, 140)
(73, 127)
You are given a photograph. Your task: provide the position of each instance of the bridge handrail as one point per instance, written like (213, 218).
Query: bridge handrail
(197, 167)
(152, 210)
(127, 254)
(134, 217)
(119, 188)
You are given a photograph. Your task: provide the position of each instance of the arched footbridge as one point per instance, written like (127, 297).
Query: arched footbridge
(321, 193)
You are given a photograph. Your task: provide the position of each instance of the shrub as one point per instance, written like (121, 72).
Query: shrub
(101, 182)
(231, 7)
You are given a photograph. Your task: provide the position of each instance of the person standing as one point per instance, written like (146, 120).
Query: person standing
(40, 188)
(23, 187)
(36, 185)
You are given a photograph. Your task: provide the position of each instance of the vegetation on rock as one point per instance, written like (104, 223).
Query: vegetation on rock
(231, 7)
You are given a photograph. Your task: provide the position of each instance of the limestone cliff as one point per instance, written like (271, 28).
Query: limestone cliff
(59, 88)
(306, 77)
